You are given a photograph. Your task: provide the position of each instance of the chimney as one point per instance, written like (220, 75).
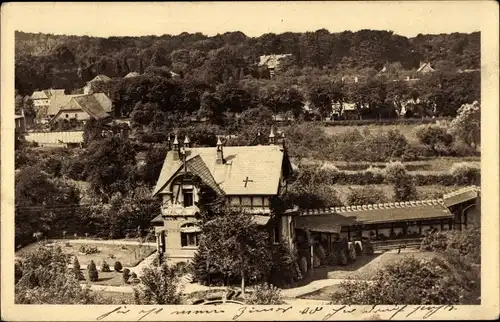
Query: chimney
(169, 142)
(283, 140)
(186, 142)
(220, 154)
(175, 148)
(271, 137)
(258, 137)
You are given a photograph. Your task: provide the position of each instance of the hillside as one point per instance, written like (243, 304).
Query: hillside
(60, 61)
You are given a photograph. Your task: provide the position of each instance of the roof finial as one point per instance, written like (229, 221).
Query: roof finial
(219, 143)
(186, 141)
(271, 136)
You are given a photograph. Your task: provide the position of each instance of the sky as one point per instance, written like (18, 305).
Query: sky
(407, 18)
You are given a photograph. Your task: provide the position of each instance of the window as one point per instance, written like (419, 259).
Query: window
(188, 197)
(67, 115)
(276, 234)
(189, 235)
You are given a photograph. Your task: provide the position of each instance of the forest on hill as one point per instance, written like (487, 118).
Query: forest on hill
(61, 61)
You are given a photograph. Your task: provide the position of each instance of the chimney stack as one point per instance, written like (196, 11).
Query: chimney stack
(169, 142)
(175, 148)
(220, 154)
(271, 137)
(283, 140)
(186, 142)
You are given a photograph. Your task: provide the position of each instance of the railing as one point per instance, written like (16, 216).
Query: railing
(395, 243)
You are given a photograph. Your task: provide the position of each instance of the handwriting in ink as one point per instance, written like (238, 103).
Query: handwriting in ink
(250, 310)
(189, 312)
(117, 310)
(430, 310)
(394, 310)
(148, 312)
(309, 310)
(345, 309)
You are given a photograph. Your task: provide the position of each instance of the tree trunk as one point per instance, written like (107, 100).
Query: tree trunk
(242, 282)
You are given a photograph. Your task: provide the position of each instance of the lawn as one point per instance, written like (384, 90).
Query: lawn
(117, 297)
(127, 255)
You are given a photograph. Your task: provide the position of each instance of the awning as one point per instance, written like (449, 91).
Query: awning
(157, 221)
(261, 220)
(191, 229)
(323, 224)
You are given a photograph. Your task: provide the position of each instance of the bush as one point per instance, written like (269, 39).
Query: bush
(88, 250)
(365, 195)
(332, 259)
(358, 249)
(351, 253)
(320, 251)
(126, 275)
(133, 275)
(118, 266)
(159, 286)
(303, 265)
(76, 269)
(265, 294)
(105, 267)
(436, 137)
(92, 271)
(18, 271)
(342, 257)
(464, 173)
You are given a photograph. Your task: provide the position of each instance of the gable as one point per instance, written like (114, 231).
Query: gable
(249, 170)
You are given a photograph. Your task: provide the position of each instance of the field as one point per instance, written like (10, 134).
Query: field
(127, 255)
(408, 130)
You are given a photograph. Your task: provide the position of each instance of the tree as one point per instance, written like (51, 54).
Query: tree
(46, 280)
(236, 247)
(466, 126)
(435, 136)
(403, 183)
(42, 204)
(365, 195)
(110, 166)
(211, 109)
(159, 285)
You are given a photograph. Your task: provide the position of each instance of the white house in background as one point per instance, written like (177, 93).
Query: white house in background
(42, 99)
(81, 108)
(62, 101)
(425, 68)
(132, 74)
(88, 89)
(272, 62)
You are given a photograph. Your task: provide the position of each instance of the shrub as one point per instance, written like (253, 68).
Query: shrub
(303, 265)
(105, 267)
(265, 294)
(320, 251)
(368, 247)
(342, 257)
(88, 250)
(358, 249)
(435, 136)
(133, 275)
(159, 286)
(18, 271)
(76, 269)
(126, 275)
(92, 271)
(332, 259)
(464, 173)
(351, 253)
(365, 195)
(118, 266)
(316, 261)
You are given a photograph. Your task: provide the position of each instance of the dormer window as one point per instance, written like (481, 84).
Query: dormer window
(188, 197)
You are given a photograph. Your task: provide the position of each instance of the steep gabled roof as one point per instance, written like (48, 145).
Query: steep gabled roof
(100, 78)
(104, 101)
(261, 164)
(425, 66)
(90, 105)
(39, 95)
(56, 102)
(132, 74)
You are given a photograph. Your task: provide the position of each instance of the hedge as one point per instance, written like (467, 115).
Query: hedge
(385, 121)
(464, 175)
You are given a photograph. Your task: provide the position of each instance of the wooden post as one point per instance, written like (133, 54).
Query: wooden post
(312, 254)
(441, 222)
(348, 233)
(420, 228)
